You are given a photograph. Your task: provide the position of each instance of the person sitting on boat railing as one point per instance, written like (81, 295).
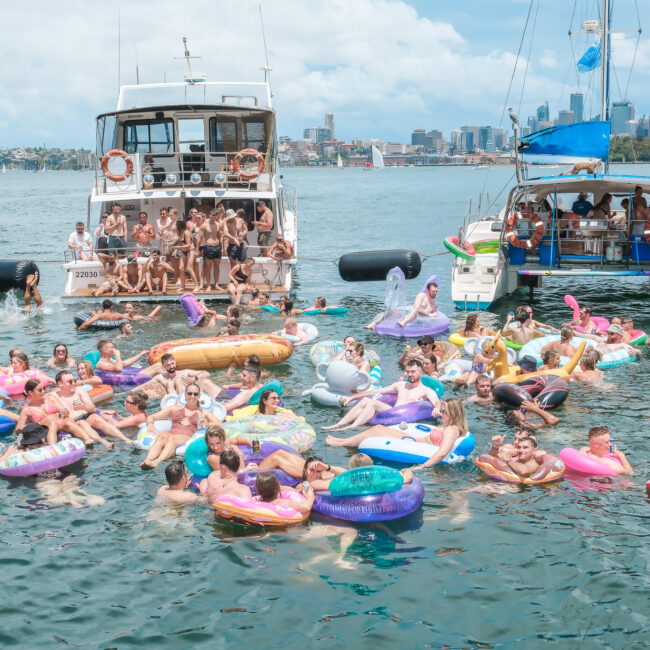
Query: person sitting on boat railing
(524, 330)
(81, 242)
(142, 232)
(133, 274)
(425, 304)
(101, 236)
(116, 229)
(113, 276)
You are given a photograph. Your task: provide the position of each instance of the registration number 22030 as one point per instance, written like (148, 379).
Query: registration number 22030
(85, 274)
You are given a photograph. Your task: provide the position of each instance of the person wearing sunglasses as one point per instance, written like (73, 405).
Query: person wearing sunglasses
(185, 422)
(135, 405)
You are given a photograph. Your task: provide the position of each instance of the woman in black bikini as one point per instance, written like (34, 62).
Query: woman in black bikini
(240, 276)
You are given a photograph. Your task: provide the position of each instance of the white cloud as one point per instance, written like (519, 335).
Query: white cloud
(548, 59)
(378, 65)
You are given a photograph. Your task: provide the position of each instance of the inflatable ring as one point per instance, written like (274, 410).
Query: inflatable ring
(297, 434)
(576, 461)
(549, 471)
(371, 507)
(310, 330)
(466, 252)
(43, 459)
(360, 481)
(248, 176)
(257, 512)
(114, 153)
(15, 384)
(82, 316)
(525, 243)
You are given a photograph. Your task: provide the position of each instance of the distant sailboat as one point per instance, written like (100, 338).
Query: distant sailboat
(339, 162)
(4, 168)
(377, 158)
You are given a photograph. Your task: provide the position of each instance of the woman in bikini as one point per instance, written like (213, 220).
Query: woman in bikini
(186, 420)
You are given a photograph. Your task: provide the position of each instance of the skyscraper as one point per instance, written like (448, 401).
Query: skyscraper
(565, 117)
(543, 114)
(329, 123)
(418, 137)
(577, 106)
(622, 113)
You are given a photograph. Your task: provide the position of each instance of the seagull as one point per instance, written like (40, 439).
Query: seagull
(513, 116)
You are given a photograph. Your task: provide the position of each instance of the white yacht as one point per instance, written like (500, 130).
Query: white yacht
(193, 144)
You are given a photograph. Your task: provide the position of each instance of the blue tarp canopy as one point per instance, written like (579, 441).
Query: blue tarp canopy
(580, 140)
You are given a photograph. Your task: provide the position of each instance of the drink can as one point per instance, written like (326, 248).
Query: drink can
(305, 487)
(256, 446)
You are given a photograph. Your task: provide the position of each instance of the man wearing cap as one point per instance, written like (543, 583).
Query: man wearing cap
(615, 342)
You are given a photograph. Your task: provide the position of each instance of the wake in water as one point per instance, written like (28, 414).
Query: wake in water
(12, 314)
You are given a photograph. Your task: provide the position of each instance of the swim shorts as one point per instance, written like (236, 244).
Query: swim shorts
(212, 252)
(264, 239)
(236, 252)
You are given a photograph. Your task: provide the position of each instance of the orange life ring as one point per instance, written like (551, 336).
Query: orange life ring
(526, 243)
(117, 178)
(249, 176)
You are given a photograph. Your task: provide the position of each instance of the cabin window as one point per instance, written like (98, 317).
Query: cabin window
(191, 136)
(223, 135)
(254, 134)
(106, 127)
(149, 136)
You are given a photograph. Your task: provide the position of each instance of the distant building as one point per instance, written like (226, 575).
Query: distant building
(470, 138)
(622, 113)
(543, 114)
(418, 138)
(532, 124)
(565, 117)
(311, 134)
(434, 141)
(329, 123)
(486, 139)
(576, 104)
(456, 141)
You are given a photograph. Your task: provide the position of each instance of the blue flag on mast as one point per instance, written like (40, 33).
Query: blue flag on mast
(590, 59)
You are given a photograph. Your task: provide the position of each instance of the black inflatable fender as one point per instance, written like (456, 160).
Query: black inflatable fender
(368, 266)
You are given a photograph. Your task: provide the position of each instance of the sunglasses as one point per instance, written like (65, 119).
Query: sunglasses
(128, 401)
(192, 394)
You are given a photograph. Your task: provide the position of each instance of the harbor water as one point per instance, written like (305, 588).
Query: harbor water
(480, 565)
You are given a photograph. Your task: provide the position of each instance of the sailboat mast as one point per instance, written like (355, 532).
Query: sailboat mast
(604, 65)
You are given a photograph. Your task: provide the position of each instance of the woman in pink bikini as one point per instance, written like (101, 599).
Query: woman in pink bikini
(186, 420)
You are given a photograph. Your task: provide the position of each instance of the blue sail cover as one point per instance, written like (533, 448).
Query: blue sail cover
(580, 140)
(590, 59)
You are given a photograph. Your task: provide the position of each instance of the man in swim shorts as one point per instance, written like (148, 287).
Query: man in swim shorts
(115, 228)
(407, 392)
(209, 237)
(155, 273)
(177, 482)
(235, 242)
(425, 304)
(603, 448)
(264, 227)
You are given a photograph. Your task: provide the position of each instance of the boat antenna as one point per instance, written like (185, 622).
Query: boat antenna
(186, 55)
(137, 68)
(266, 68)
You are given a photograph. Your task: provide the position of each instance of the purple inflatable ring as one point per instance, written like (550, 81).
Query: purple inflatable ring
(371, 507)
(412, 412)
(130, 376)
(420, 326)
(43, 459)
(266, 449)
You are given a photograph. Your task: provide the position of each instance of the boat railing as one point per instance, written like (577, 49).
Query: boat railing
(193, 170)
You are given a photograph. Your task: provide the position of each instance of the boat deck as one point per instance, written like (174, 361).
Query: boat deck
(173, 293)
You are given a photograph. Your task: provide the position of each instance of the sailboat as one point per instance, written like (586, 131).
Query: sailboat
(540, 233)
(4, 168)
(377, 158)
(339, 162)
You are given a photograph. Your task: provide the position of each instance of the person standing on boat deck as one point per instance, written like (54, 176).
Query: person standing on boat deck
(142, 232)
(210, 235)
(235, 243)
(81, 242)
(264, 227)
(641, 211)
(116, 229)
(424, 305)
(101, 236)
(165, 230)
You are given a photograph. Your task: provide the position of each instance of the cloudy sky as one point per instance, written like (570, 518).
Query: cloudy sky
(384, 67)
